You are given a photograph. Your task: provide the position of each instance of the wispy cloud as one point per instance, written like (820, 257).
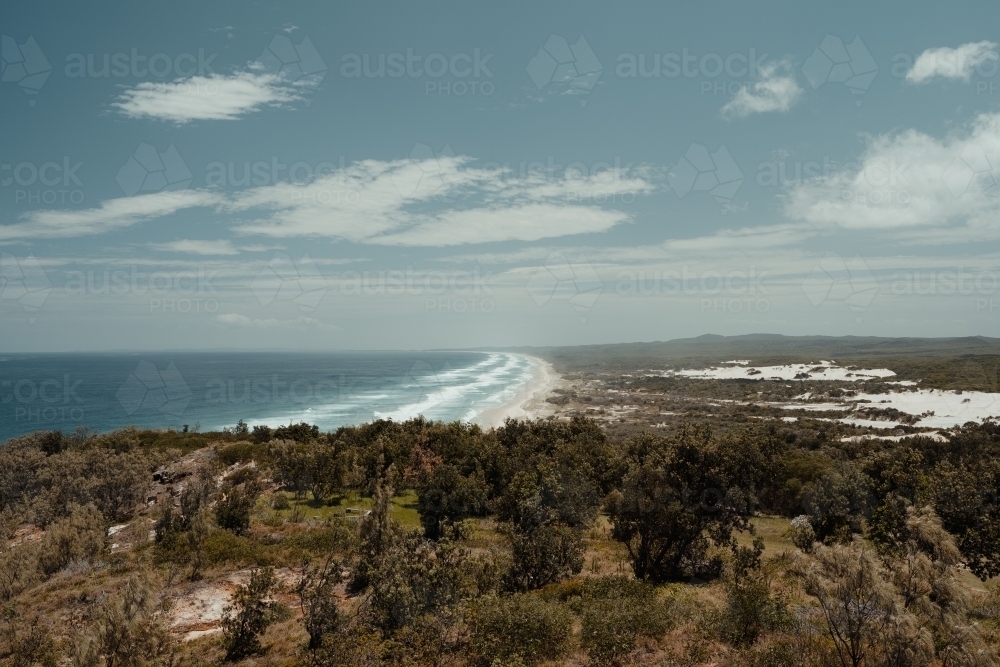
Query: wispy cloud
(244, 322)
(435, 202)
(198, 247)
(775, 90)
(945, 63)
(388, 203)
(111, 215)
(214, 97)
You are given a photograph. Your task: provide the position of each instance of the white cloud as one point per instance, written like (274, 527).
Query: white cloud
(433, 202)
(523, 223)
(109, 216)
(775, 90)
(388, 202)
(214, 97)
(958, 63)
(911, 179)
(242, 321)
(198, 247)
(747, 239)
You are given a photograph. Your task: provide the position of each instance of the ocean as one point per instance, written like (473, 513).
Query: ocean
(210, 391)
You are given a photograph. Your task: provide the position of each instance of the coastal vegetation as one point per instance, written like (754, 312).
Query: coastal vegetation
(544, 542)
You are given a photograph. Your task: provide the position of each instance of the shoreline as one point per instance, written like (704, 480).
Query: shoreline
(529, 402)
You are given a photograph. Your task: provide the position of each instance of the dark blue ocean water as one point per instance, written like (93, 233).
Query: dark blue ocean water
(214, 390)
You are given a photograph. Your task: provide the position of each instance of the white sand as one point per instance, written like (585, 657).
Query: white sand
(823, 370)
(529, 402)
(950, 408)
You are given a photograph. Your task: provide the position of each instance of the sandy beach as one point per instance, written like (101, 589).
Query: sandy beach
(529, 403)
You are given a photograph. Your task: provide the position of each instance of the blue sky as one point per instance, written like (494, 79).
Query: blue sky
(391, 176)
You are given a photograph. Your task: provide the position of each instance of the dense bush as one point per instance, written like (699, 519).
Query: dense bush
(615, 612)
(681, 495)
(523, 626)
(78, 537)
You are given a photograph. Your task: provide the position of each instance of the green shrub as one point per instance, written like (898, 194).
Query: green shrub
(249, 615)
(617, 610)
(78, 537)
(223, 547)
(520, 626)
(543, 555)
(233, 511)
(32, 646)
(750, 611)
(18, 570)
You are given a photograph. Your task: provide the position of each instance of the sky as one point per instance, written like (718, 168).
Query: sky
(334, 176)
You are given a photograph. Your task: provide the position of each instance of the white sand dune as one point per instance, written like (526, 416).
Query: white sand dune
(823, 370)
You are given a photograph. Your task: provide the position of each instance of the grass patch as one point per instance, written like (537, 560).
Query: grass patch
(404, 508)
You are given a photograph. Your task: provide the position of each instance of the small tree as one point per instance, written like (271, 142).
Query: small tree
(129, 632)
(233, 511)
(317, 601)
(32, 646)
(863, 616)
(544, 555)
(682, 495)
(249, 615)
(750, 609)
(377, 532)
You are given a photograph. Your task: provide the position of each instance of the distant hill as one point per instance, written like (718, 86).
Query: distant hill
(767, 348)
